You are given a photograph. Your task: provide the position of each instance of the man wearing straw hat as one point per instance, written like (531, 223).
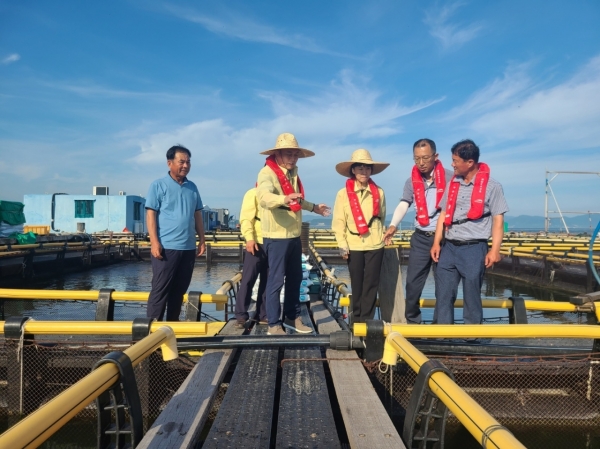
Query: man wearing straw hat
(281, 195)
(358, 216)
(425, 188)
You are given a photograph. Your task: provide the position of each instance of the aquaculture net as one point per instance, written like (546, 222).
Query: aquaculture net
(36, 372)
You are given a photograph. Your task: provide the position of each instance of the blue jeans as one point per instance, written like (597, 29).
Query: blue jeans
(460, 263)
(285, 266)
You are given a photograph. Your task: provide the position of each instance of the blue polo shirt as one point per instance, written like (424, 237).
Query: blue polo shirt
(176, 204)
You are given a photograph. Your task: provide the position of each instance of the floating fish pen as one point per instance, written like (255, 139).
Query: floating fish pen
(518, 380)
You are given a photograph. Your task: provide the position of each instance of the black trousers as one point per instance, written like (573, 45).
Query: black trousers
(365, 269)
(419, 265)
(254, 265)
(171, 277)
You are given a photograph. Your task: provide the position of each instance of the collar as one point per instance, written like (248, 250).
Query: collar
(357, 188)
(171, 178)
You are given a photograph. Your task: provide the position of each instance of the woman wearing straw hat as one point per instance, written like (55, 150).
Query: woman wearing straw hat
(358, 216)
(281, 196)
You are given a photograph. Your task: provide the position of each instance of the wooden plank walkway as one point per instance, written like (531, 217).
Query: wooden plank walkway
(180, 423)
(367, 423)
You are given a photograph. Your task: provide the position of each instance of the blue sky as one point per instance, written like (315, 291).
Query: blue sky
(94, 93)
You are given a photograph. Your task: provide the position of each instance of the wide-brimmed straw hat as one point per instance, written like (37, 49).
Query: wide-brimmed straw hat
(360, 156)
(288, 141)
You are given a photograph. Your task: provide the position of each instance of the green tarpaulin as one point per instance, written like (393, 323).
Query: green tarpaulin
(11, 212)
(24, 239)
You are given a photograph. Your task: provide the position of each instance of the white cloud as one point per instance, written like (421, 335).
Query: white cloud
(10, 59)
(517, 109)
(237, 27)
(342, 111)
(450, 35)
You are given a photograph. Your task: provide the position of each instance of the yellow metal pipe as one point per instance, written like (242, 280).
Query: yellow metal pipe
(488, 330)
(40, 425)
(106, 327)
(475, 419)
(92, 295)
(545, 306)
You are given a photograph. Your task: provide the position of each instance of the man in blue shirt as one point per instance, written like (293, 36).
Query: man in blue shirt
(174, 217)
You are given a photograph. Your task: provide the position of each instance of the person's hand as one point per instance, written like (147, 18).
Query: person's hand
(492, 257)
(344, 252)
(322, 209)
(291, 198)
(435, 252)
(156, 250)
(387, 237)
(251, 247)
(201, 248)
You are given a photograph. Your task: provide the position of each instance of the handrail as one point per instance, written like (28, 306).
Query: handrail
(40, 425)
(230, 283)
(487, 331)
(339, 285)
(475, 418)
(180, 328)
(530, 305)
(92, 295)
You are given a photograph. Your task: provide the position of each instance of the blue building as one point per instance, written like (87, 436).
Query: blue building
(100, 212)
(86, 213)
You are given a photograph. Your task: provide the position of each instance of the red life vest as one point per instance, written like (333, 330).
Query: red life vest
(439, 177)
(286, 185)
(477, 196)
(359, 220)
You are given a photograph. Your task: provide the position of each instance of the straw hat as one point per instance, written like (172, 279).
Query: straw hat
(360, 156)
(288, 141)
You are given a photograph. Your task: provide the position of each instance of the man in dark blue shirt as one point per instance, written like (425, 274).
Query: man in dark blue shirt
(174, 217)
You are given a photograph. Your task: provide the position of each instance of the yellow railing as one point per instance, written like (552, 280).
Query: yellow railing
(40, 425)
(531, 305)
(476, 420)
(180, 328)
(92, 295)
(481, 330)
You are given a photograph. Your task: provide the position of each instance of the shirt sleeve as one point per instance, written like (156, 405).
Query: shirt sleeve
(267, 198)
(199, 204)
(153, 197)
(382, 206)
(248, 215)
(338, 221)
(498, 205)
(408, 192)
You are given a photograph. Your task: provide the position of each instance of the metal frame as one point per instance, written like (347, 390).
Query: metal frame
(558, 211)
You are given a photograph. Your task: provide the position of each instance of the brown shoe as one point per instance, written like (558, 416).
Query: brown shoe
(276, 330)
(239, 324)
(297, 325)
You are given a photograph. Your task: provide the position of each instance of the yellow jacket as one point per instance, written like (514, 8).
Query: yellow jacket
(277, 222)
(250, 217)
(343, 221)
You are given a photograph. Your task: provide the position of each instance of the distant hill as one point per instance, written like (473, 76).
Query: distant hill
(533, 223)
